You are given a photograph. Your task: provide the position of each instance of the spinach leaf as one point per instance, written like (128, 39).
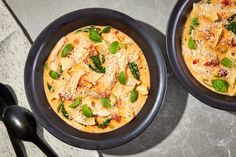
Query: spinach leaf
(87, 29)
(64, 112)
(50, 88)
(134, 70)
(106, 29)
(97, 64)
(105, 123)
(231, 26)
(191, 28)
(59, 106)
(103, 59)
(195, 21)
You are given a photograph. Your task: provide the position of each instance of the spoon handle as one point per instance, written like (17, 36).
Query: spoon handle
(18, 146)
(47, 150)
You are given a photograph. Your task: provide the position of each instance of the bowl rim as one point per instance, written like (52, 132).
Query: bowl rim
(116, 141)
(175, 16)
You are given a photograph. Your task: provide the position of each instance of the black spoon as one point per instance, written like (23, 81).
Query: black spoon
(8, 98)
(21, 123)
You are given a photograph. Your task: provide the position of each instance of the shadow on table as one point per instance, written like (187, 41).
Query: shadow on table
(169, 116)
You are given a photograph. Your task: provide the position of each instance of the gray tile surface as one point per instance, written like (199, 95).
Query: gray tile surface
(184, 128)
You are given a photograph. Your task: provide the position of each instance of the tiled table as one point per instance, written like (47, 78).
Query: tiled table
(185, 127)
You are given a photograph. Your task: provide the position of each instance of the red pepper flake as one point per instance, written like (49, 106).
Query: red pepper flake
(213, 62)
(195, 61)
(225, 2)
(222, 73)
(116, 117)
(116, 32)
(104, 94)
(76, 41)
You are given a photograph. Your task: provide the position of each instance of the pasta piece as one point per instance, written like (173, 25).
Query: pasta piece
(142, 90)
(53, 56)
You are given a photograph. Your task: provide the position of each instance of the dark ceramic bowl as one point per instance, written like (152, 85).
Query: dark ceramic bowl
(39, 52)
(174, 35)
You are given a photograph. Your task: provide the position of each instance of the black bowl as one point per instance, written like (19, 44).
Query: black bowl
(174, 35)
(34, 78)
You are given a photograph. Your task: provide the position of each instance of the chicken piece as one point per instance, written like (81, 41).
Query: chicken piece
(66, 63)
(201, 9)
(132, 82)
(74, 81)
(109, 78)
(92, 76)
(98, 109)
(80, 52)
(142, 89)
(53, 55)
(59, 86)
(80, 118)
(128, 112)
(122, 59)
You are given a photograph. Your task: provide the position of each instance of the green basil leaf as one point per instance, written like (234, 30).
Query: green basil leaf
(133, 95)
(75, 103)
(50, 88)
(53, 74)
(87, 112)
(66, 50)
(114, 47)
(134, 70)
(220, 85)
(105, 102)
(122, 78)
(106, 29)
(227, 62)
(94, 36)
(191, 43)
(208, 1)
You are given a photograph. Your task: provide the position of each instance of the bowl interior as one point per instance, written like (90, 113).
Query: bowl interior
(174, 39)
(39, 54)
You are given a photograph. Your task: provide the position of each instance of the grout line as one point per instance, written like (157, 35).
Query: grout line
(18, 22)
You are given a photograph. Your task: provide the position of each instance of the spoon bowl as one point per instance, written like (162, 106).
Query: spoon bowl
(21, 123)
